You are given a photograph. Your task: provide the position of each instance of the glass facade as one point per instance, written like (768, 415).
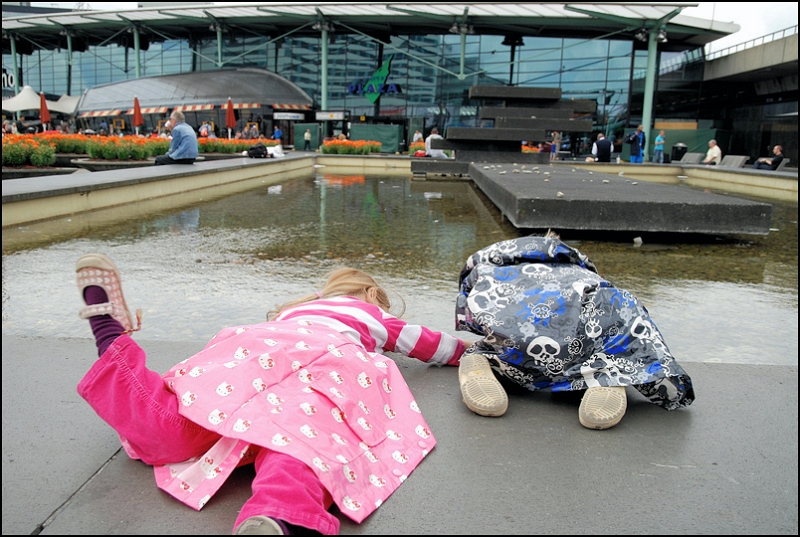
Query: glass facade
(427, 82)
(426, 79)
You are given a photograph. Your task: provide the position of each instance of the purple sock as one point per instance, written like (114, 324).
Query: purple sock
(104, 327)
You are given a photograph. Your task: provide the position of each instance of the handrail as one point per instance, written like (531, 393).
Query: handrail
(780, 34)
(696, 55)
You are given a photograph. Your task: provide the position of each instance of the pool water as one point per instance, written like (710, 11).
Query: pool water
(227, 261)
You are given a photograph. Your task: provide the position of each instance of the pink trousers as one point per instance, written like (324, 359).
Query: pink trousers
(136, 403)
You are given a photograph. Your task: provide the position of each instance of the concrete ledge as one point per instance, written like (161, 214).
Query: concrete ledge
(43, 198)
(384, 163)
(745, 181)
(489, 156)
(439, 166)
(571, 198)
(760, 183)
(494, 112)
(503, 150)
(494, 145)
(578, 106)
(514, 92)
(26, 173)
(550, 124)
(667, 174)
(495, 134)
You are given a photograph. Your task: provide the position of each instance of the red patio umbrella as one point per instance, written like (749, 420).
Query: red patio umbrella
(138, 120)
(230, 117)
(44, 113)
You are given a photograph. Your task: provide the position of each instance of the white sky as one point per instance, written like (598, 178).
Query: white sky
(755, 20)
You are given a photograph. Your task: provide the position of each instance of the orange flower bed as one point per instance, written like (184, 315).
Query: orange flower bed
(351, 147)
(27, 150)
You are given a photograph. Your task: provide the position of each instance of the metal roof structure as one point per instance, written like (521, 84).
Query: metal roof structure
(379, 20)
(249, 86)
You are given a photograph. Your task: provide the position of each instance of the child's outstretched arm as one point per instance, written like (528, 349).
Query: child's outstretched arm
(416, 341)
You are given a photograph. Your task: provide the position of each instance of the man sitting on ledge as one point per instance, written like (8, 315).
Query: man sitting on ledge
(770, 163)
(183, 146)
(435, 153)
(601, 149)
(713, 155)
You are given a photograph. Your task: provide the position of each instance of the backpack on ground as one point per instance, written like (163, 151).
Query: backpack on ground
(258, 151)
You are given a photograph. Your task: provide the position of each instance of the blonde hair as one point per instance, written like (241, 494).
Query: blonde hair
(347, 281)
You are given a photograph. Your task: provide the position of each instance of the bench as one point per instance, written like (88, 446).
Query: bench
(691, 158)
(734, 161)
(782, 165)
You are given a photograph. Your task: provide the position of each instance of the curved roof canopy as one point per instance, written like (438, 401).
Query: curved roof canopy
(247, 85)
(379, 20)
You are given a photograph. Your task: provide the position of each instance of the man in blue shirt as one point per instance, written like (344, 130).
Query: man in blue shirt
(183, 146)
(637, 140)
(277, 134)
(658, 153)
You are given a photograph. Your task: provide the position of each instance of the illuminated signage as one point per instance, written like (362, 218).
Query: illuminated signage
(288, 115)
(328, 116)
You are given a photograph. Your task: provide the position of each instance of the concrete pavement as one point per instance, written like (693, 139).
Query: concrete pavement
(725, 465)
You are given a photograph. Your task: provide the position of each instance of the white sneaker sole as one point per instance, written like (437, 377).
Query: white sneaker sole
(482, 392)
(602, 407)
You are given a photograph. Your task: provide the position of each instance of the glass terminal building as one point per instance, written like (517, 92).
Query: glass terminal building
(426, 56)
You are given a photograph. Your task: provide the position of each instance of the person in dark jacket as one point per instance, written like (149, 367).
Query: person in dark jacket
(770, 163)
(601, 150)
(637, 140)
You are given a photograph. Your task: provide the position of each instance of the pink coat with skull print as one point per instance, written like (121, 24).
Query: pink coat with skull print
(313, 385)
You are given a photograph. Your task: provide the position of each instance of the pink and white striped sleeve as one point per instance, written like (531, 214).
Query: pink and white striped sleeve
(378, 330)
(416, 341)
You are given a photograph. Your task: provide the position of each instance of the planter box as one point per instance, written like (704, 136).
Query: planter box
(105, 165)
(64, 160)
(220, 156)
(21, 173)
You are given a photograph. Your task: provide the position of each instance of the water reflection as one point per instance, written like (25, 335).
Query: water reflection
(224, 261)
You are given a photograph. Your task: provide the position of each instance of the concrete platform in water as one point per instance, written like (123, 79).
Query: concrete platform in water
(571, 198)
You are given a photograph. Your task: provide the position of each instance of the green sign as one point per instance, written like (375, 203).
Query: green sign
(376, 86)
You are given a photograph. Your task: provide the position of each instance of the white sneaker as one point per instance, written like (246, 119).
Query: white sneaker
(259, 525)
(602, 407)
(482, 392)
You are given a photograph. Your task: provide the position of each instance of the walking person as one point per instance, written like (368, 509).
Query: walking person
(658, 148)
(556, 145)
(307, 140)
(306, 396)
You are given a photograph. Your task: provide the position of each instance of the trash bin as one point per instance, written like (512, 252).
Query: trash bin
(678, 150)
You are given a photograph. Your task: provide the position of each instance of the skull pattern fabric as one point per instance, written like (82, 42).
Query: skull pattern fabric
(549, 321)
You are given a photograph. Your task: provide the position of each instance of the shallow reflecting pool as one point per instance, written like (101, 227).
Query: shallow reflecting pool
(226, 261)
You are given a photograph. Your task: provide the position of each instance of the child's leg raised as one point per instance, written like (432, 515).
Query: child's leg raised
(132, 399)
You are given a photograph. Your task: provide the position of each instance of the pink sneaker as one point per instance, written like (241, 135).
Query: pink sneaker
(100, 270)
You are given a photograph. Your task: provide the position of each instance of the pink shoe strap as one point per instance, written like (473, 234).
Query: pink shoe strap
(106, 308)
